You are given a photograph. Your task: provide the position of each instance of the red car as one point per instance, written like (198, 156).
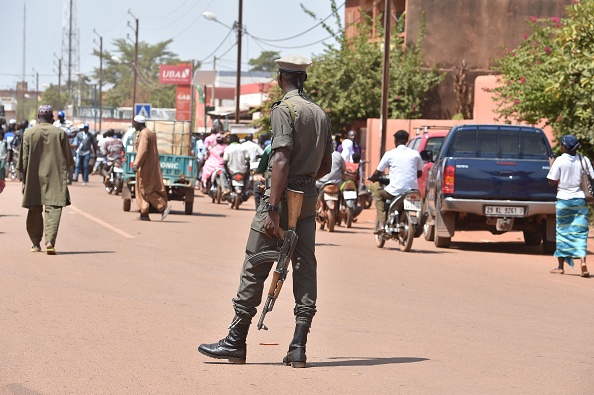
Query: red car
(428, 138)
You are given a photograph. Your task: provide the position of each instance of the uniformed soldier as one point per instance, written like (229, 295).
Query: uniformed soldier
(301, 153)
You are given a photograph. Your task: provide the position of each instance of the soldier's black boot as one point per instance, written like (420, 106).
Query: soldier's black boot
(233, 347)
(296, 354)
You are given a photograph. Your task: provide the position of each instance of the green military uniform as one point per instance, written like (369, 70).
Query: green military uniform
(44, 162)
(308, 138)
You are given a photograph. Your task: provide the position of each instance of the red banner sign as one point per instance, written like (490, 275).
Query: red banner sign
(183, 103)
(175, 74)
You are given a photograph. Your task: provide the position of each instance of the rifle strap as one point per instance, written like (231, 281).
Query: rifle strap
(292, 111)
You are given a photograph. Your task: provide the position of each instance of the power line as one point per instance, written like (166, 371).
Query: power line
(220, 45)
(176, 20)
(302, 33)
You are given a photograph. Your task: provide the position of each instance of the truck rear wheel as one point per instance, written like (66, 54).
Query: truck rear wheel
(189, 209)
(532, 238)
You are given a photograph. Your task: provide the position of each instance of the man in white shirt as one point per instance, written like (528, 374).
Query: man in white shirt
(253, 149)
(406, 166)
(236, 160)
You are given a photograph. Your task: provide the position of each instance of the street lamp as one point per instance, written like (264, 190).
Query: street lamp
(238, 25)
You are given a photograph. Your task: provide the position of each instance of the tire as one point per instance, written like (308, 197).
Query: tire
(109, 189)
(379, 241)
(349, 217)
(440, 242)
(406, 240)
(429, 232)
(118, 187)
(331, 220)
(549, 247)
(237, 201)
(219, 195)
(532, 238)
(189, 208)
(367, 201)
(127, 204)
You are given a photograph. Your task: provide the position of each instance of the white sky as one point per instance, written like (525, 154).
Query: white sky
(194, 37)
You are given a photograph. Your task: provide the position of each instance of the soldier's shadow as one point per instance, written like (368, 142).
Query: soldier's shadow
(348, 361)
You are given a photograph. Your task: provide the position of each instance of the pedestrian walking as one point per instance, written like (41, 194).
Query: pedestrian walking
(571, 208)
(150, 190)
(86, 144)
(301, 153)
(43, 163)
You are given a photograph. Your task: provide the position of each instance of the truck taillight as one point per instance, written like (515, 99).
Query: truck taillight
(449, 176)
(190, 167)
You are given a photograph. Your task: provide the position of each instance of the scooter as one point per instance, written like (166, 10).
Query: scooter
(114, 181)
(403, 217)
(328, 207)
(349, 202)
(237, 195)
(215, 191)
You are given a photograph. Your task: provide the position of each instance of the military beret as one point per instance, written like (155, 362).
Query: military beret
(293, 63)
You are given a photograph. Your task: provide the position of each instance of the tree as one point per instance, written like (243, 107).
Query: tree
(264, 62)
(345, 80)
(550, 77)
(118, 74)
(50, 96)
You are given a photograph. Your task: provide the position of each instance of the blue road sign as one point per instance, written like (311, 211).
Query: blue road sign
(143, 109)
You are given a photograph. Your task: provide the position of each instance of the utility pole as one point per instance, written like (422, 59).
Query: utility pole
(135, 61)
(100, 77)
(36, 88)
(385, 79)
(239, 28)
(59, 79)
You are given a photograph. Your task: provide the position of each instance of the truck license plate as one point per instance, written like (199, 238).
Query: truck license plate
(412, 205)
(504, 211)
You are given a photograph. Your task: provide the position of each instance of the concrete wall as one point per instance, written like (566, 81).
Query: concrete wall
(475, 30)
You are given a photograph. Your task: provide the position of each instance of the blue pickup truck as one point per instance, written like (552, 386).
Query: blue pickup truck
(491, 177)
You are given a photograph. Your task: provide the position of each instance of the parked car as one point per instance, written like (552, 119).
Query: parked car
(428, 138)
(491, 177)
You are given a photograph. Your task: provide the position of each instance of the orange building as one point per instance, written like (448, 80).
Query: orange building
(470, 32)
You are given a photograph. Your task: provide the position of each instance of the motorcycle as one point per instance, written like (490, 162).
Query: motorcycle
(328, 207)
(114, 180)
(215, 190)
(403, 217)
(349, 202)
(237, 195)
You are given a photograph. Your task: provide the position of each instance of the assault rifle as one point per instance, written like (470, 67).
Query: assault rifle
(289, 237)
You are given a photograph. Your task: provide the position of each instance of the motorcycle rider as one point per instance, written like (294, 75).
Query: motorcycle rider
(214, 158)
(406, 166)
(335, 175)
(349, 147)
(253, 149)
(236, 160)
(112, 149)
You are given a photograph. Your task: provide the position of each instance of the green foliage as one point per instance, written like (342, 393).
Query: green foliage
(550, 76)
(264, 62)
(118, 74)
(50, 96)
(346, 79)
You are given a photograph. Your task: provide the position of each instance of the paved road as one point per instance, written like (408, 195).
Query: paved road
(124, 305)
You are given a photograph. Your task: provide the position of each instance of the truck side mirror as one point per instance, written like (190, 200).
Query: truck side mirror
(427, 155)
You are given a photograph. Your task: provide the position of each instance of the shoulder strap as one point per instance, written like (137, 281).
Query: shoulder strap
(292, 111)
(584, 168)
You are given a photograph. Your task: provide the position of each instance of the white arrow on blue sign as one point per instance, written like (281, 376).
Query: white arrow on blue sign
(143, 109)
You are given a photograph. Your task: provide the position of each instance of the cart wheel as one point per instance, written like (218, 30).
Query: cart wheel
(127, 204)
